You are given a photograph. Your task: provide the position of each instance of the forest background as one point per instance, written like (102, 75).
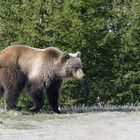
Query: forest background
(107, 32)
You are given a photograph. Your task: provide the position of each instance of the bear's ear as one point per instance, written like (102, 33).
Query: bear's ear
(78, 54)
(65, 56)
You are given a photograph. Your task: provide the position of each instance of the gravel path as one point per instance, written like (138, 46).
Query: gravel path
(86, 126)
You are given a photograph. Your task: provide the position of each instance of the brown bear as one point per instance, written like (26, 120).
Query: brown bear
(39, 70)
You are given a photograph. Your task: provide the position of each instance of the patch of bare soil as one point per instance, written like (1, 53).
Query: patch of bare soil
(84, 126)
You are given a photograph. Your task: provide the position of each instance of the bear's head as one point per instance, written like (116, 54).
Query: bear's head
(72, 65)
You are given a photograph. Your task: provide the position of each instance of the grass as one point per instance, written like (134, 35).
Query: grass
(26, 120)
(84, 109)
(23, 116)
(41, 116)
(19, 126)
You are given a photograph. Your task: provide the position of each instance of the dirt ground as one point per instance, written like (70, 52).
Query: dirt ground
(84, 126)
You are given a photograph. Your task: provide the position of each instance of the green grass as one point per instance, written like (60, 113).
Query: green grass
(41, 116)
(23, 116)
(27, 120)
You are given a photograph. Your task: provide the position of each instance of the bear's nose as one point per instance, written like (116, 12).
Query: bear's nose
(83, 76)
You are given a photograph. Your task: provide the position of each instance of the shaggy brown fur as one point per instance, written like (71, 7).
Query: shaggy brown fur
(39, 70)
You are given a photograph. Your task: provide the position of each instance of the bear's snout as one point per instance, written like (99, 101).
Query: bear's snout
(79, 74)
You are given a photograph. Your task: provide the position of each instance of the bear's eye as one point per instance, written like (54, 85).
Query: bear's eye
(76, 68)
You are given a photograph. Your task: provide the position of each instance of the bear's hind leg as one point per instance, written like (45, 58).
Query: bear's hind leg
(12, 81)
(10, 97)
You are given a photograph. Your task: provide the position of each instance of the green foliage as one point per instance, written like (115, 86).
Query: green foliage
(105, 31)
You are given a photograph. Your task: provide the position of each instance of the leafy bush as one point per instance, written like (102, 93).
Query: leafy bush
(105, 31)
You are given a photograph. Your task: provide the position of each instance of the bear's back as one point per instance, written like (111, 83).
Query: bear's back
(12, 54)
(25, 50)
(21, 51)
(29, 59)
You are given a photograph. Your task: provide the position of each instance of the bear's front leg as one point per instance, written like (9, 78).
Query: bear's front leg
(36, 95)
(53, 95)
(37, 98)
(54, 103)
